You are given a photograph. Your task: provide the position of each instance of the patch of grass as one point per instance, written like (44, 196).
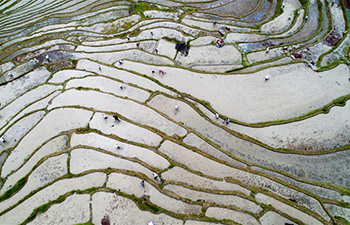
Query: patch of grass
(132, 33)
(128, 25)
(253, 193)
(143, 203)
(43, 208)
(341, 221)
(111, 29)
(278, 9)
(205, 103)
(329, 66)
(87, 223)
(152, 79)
(245, 61)
(114, 28)
(109, 170)
(83, 130)
(174, 40)
(234, 69)
(267, 207)
(190, 10)
(343, 190)
(149, 207)
(141, 7)
(304, 2)
(263, 190)
(80, 88)
(14, 189)
(86, 191)
(135, 32)
(344, 204)
(74, 61)
(206, 139)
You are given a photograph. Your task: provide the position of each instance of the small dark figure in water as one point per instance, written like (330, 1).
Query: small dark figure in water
(293, 200)
(116, 118)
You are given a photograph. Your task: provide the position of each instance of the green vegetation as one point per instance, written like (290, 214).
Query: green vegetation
(267, 207)
(343, 190)
(86, 191)
(304, 2)
(341, 221)
(113, 26)
(87, 223)
(148, 206)
(141, 7)
(117, 27)
(174, 40)
(279, 9)
(14, 189)
(43, 208)
(341, 101)
(190, 10)
(344, 204)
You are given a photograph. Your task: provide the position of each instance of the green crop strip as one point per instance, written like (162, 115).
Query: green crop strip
(18, 186)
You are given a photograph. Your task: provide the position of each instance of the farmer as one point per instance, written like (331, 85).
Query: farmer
(155, 176)
(142, 183)
(116, 118)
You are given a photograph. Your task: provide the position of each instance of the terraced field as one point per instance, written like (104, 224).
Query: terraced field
(104, 121)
